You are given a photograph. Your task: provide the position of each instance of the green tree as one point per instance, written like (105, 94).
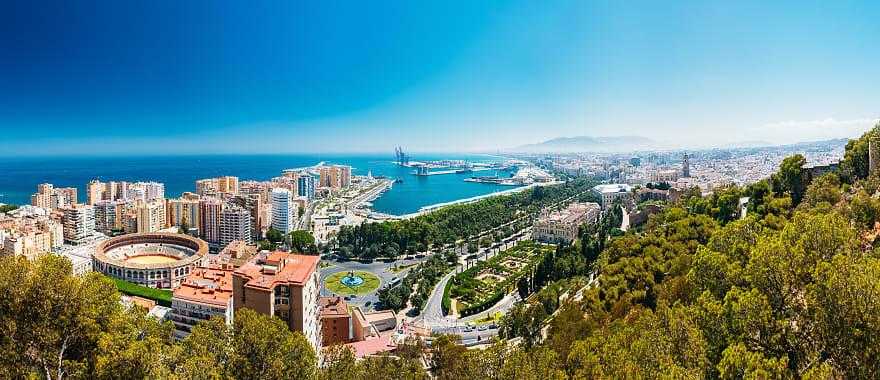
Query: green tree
(7, 208)
(790, 178)
(51, 320)
(303, 241)
(274, 236)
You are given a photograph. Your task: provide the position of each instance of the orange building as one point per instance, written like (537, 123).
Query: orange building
(282, 285)
(205, 293)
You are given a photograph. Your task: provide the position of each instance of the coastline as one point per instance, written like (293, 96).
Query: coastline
(434, 207)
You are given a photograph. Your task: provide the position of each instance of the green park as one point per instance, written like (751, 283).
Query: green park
(353, 283)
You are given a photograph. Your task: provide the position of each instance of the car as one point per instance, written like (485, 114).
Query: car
(493, 326)
(483, 328)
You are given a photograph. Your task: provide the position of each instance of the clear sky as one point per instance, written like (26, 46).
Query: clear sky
(91, 77)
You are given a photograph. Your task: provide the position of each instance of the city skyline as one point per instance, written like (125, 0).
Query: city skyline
(290, 78)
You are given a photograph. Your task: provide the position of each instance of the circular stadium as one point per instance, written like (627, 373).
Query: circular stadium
(157, 260)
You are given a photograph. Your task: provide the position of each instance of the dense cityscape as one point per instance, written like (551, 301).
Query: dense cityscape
(282, 247)
(452, 190)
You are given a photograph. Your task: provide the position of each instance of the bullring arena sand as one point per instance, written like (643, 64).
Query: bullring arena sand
(151, 259)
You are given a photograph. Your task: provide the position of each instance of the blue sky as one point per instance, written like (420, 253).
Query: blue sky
(96, 77)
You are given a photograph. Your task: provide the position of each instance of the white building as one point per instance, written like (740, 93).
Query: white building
(79, 223)
(107, 216)
(284, 210)
(235, 224)
(611, 192)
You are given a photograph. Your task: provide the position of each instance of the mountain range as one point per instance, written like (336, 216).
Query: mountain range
(588, 144)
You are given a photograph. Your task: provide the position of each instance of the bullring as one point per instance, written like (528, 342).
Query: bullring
(157, 260)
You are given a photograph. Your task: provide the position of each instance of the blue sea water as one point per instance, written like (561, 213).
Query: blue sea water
(19, 176)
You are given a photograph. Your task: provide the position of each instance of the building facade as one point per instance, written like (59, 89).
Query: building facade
(210, 210)
(150, 216)
(284, 211)
(284, 286)
(205, 293)
(79, 223)
(235, 224)
(306, 186)
(609, 193)
(562, 226)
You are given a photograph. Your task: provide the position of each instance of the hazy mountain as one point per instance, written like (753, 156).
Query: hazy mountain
(588, 144)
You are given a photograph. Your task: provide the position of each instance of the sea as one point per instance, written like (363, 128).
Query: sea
(19, 176)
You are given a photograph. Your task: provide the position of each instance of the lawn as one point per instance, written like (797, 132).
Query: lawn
(161, 296)
(334, 284)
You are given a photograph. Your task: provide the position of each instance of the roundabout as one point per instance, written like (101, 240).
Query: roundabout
(352, 283)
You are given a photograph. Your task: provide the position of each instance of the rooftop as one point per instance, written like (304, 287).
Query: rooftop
(612, 188)
(207, 285)
(372, 346)
(571, 214)
(333, 307)
(267, 271)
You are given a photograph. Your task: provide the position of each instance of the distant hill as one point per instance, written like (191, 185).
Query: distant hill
(588, 144)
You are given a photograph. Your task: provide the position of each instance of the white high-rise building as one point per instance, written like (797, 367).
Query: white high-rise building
(283, 210)
(79, 223)
(235, 224)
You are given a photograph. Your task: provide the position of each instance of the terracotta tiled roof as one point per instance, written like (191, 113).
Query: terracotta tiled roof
(278, 268)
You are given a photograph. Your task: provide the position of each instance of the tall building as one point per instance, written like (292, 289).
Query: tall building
(235, 224)
(284, 211)
(150, 216)
(255, 188)
(79, 223)
(152, 190)
(228, 185)
(52, 198)
(209, 225)
(335, 176)
(284, 286)
(217, 186)
(184, 213)
(254, 205)
(107, 216)
(206, 187)
(95, 192)
(686, 166)
(306, 186)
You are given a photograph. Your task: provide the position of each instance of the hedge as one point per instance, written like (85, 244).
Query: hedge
(485, 305)
(446, 303)
(162, 297)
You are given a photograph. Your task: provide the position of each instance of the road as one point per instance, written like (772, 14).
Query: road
(432, 314)
(306, 221)
(379, 268)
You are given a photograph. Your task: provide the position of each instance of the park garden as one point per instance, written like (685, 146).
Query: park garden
(481, 286)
